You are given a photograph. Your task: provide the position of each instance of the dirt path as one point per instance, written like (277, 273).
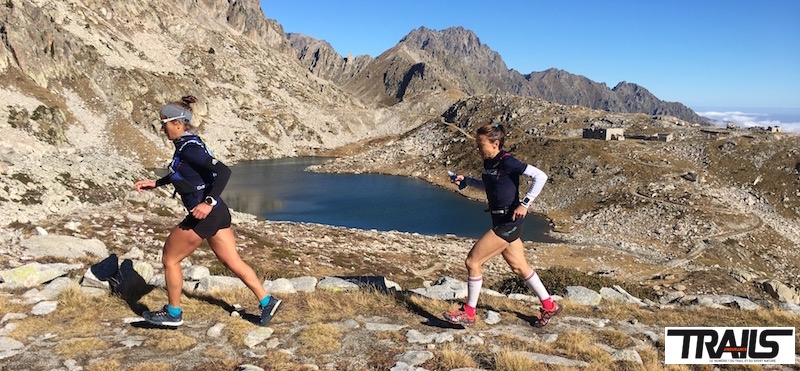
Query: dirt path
(699, 245)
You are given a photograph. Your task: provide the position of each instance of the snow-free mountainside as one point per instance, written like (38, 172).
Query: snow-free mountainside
(679, 224)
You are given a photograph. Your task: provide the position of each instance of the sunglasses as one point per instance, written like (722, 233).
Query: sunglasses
(166, 120)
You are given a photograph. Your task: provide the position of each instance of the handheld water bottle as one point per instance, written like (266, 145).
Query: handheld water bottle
(453, 176)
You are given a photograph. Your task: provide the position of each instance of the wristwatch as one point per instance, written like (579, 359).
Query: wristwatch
(526, 202)
(210, 200)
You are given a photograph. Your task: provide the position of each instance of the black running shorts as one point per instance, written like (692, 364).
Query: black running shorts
(505, 228)
(218, 218)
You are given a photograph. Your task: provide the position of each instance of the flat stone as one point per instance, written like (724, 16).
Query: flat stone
(12, 317)
(582, 296)
(8, 328)
(626, 355)
(415, 357)
(371, 326)
(446, 288)
(248, 367)
(492, 317)
(472, 340)
(211, 283)
(304, 284)
(9, 347)
(130, 343)
(280, 286)
(34, 274)
(195, 273)
(216, 330)
(336, 284)
(44, 307)
(255, 337)
(553, 360)
(56, 287)
(63, 246)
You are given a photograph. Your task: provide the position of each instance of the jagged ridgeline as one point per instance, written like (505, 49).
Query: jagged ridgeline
(111, 64)
(455, 62)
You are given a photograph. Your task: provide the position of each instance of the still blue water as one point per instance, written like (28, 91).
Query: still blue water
(281, 190)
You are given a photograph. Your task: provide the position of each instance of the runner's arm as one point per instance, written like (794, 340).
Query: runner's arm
(539, 178)
(197, 156)
(472, 182)
(223, 174)
(163, 181)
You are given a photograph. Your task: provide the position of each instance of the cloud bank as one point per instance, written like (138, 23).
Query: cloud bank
(749, 119)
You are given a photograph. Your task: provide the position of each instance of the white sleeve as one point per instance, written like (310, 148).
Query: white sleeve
(539, 178)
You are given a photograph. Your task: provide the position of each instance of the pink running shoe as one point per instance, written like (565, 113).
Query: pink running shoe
(546, 315)
(459, 317)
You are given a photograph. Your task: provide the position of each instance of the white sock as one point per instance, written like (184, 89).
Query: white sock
(473, 290)
(534, 283)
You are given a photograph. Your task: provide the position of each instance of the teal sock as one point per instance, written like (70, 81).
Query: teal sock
(174, 311)
(264, 301)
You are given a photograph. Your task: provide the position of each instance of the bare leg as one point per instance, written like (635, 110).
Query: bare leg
(514, 255)
(488, 246)
(224, 246)
(485, 248)
(180, 244)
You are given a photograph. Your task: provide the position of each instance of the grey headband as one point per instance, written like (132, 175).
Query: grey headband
(178, 113)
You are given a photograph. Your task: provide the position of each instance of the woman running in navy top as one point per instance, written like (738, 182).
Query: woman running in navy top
(500, 179)
(199, 178)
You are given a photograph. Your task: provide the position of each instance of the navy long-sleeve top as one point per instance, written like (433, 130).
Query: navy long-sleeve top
(195, 172)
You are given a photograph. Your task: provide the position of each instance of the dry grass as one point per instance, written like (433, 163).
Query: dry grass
(236, 329)
(393, 336)
(155, 366)
(206, 307)
(452, 356)
(77, 315)
(522, 344)
(74, 348)
(320, 338)
(80, 315)
(580, 345)
(8, 307)
(215, 364)
(508, 360)
(112, 364)
(170, 340)
(614, 338)
(326, 306)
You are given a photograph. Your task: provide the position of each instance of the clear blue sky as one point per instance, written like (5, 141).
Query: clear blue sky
(703, 53)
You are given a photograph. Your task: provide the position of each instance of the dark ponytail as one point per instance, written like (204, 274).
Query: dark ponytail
(493, 132)
(186, 102)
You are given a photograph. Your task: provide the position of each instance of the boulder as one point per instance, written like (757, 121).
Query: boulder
(781, 292)
(63, 247)
(34, 274)
(582, 295)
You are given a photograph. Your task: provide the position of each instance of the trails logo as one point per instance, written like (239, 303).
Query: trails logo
(726, 345)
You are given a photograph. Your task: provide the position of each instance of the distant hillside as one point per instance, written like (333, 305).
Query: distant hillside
(109, 65)
(455, 61)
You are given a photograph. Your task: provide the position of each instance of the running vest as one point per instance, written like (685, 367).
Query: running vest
(188, 179)
(501, 180)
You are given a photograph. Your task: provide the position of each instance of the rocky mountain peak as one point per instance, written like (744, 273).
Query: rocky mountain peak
(456, 44)
(455, 61)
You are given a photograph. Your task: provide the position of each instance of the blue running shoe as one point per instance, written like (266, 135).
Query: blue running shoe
(162, 317)
(269, 310)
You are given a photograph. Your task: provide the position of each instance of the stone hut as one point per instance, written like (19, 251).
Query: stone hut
(604, 133)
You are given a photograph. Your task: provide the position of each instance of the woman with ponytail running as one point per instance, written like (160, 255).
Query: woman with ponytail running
(199, 178)
(500, 179)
